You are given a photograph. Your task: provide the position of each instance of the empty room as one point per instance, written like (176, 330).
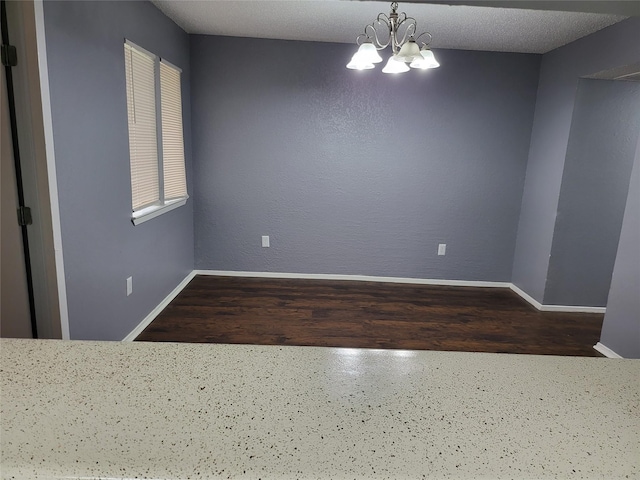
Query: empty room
(320, 239)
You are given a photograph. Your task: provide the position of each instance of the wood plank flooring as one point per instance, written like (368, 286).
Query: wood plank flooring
(369, 315)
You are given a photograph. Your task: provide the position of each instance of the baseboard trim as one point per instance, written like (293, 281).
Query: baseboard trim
(573, 309)
(161, 306)
(606, 351)
(526, 296)
(356, 278)
(555, 308)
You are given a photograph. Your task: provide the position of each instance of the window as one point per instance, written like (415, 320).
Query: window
(156, 146)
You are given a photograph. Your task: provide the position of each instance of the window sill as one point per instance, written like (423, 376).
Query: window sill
(153, 211)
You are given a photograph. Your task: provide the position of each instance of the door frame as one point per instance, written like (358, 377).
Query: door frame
(35, 132)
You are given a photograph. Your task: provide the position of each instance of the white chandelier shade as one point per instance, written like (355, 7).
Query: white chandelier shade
(425, 61)
(409, 52)
(394, 65)
(369, 53)
(398, 31)
(358, 63)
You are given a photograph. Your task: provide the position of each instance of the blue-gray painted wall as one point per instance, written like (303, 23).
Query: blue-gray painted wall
(88, 102)
(611, 47)
(593, 195)
(621, 327)
(358, 172)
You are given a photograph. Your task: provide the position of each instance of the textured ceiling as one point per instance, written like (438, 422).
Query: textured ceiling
(458, 27)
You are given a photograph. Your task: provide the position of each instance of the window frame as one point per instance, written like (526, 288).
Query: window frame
(162, 205)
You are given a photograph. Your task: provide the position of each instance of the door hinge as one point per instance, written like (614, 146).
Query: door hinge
(24, 216)
(9, 56)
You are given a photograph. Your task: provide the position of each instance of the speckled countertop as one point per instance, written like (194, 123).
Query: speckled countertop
(168, 411)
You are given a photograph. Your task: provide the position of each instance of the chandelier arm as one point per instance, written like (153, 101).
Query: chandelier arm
(371, 32)
(382, 45)
(359, 38)
(385, 22)
(412, 26)
(424, 43)
(382, 18)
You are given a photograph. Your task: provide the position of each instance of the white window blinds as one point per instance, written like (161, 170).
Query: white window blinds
(143, 139)
(156, 144)
(175, 185)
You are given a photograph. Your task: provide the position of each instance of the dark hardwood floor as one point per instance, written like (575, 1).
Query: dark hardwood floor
(369, 315)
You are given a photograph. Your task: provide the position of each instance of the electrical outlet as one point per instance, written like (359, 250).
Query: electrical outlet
(129, 286)
(265, 241)
(442, 249)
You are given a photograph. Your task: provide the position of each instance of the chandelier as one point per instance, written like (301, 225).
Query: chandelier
(399, 31)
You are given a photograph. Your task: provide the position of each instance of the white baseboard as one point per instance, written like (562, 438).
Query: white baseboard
(526, 296)
(573, 309)
(555, 308)
(357, 278)
(606, 351)
(161, 306)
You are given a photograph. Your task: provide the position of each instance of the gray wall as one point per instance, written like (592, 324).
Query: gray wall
(593, 195)
(621, 327)
(358, 172)
(611, 47)
(88, 100)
